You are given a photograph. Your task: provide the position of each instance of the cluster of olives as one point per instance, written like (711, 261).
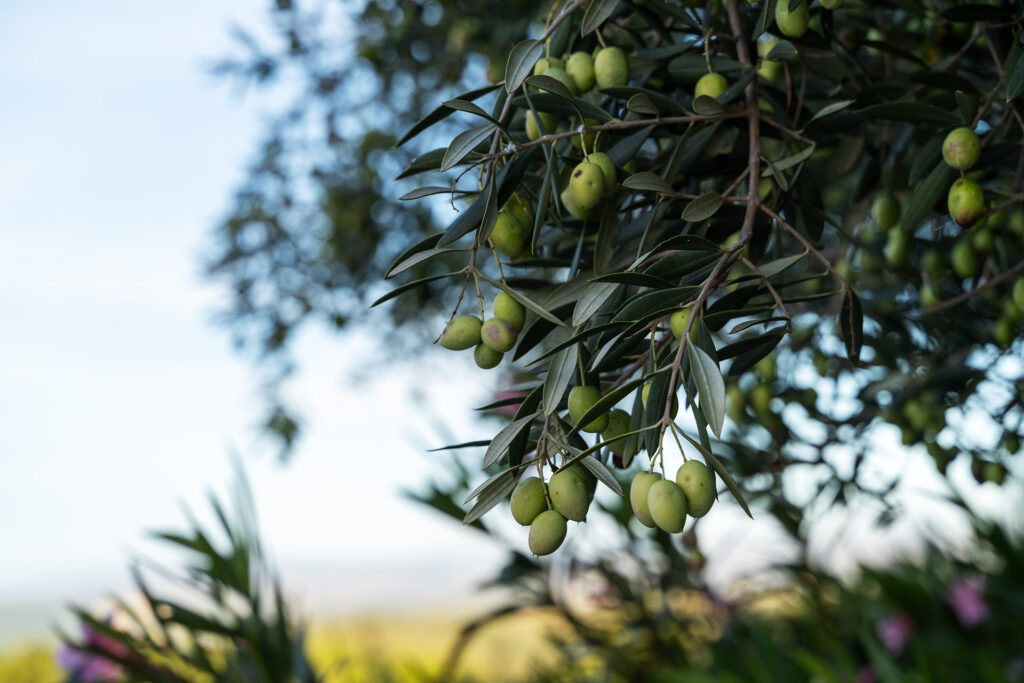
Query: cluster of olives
(664, 503)
(579, 72)
(545, 508)
(965, 200)
(491, 338)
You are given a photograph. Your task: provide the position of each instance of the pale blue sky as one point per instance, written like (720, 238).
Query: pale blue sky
(119, 399)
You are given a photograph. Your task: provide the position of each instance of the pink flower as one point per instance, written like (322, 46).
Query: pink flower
(966, 597)
(87, 666)
(894, 631)
(866, 674)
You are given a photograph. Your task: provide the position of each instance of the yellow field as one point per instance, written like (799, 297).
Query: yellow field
(414, 648)
(379, 649)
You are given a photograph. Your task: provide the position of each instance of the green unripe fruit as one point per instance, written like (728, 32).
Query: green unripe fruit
(611, 176)
(507, 235)
(736, 402)
(765, 368)
(562, 77)
(581, 399)
(764, 188)
(587, 184)
(461, 333)
(961, 148)
(916, 413)
(507, 308)
(1018, 293)
(667, 504)
(528, 500)
(765, 44)
(678, 324)
(486, 357)
(574, 209)
(580, 67)
(498, 334)
(547, 532)
(791, 24)
(711, 85)
(929, 297)
(761, 399)
(885, 210)
(646, 391)
(966, 202)
(569, 494)
(611, 68)
(1011, 312)
(698, 485)
(897, 247)
(1011, 442)
(983, 239)
(931, 262)
(618, 424)
(638, 492)
(543, 64)
(831, 4)
(548, 121)
(1002, 332)
(769, 68)
(588, 479)
(965, 261)
(517, 208)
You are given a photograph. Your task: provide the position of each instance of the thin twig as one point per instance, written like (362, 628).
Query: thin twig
(959, 299)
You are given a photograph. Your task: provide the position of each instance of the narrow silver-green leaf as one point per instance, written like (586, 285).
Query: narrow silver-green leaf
(503, 438)
(498, 490)
(524, 300)
(418, 258)
(730, 483)
(551, 85)
(602, 473)
(520, 62)
(463, 144)
(790, 161)
(830, 109)
(560, 372)
(470, 108)
(646, 181)
(775, 267)
(595, 295)
(430, 190)
(703, 207)
(710, 387)
(597, 13)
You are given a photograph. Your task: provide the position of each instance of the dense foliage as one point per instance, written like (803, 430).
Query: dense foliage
(801, 212)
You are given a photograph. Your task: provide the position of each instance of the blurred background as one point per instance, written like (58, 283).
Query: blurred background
(122, 399)
(172, 179)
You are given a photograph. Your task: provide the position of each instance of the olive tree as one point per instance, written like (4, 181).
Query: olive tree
(685, 209)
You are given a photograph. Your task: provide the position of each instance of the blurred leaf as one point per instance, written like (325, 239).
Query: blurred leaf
(597, 12)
